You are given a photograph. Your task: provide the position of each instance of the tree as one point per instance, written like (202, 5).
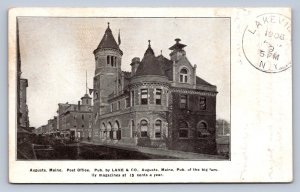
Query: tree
(222, 127)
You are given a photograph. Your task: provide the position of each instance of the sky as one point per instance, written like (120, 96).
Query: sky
(57, 52)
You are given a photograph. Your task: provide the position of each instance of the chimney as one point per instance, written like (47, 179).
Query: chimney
(78, 105)
(135, 62)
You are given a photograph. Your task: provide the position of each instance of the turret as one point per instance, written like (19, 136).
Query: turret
(177, 50)
(108, 57)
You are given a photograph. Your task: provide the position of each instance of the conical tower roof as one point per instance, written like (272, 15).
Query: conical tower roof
(108, 40)
(149, 64)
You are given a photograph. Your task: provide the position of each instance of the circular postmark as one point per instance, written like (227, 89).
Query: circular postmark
(267, 43)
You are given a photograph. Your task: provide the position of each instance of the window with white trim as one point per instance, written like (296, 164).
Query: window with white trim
(158, 96)
(144, 96)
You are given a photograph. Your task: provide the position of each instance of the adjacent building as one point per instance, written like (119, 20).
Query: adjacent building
(23, 108)
(24, 132)
(74, 120)
(161, 103)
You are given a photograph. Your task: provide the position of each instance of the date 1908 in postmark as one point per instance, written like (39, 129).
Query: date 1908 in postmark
(267, 43)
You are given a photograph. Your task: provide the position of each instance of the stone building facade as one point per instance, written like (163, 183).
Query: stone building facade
(161, 103)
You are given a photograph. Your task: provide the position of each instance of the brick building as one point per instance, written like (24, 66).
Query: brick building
(160, 103)
(74, 120)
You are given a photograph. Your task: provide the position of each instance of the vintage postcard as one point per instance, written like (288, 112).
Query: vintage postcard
(150, 95)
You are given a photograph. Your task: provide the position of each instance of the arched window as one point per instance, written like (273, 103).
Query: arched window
(117, 131)
(144, 128)
(183, 129)
(157, 129)
(202, 129)
(183, 76)
(109, 134)
(102, 131)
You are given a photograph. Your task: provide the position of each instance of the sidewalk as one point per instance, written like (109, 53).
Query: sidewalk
(161, 152)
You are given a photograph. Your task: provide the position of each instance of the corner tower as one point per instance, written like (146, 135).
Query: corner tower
(108, 57)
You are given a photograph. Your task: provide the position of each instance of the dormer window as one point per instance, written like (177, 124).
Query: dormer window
(183, 76)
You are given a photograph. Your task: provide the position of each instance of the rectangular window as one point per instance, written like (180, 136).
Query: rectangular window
(158, 129)
(183, 101)
(112, 61)
(158, 97)
(107, 60)
(111, 107)
(119, 105)
(144, 96)
(111, 134)
(132, 98)
(202, 103)
(127, 102)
